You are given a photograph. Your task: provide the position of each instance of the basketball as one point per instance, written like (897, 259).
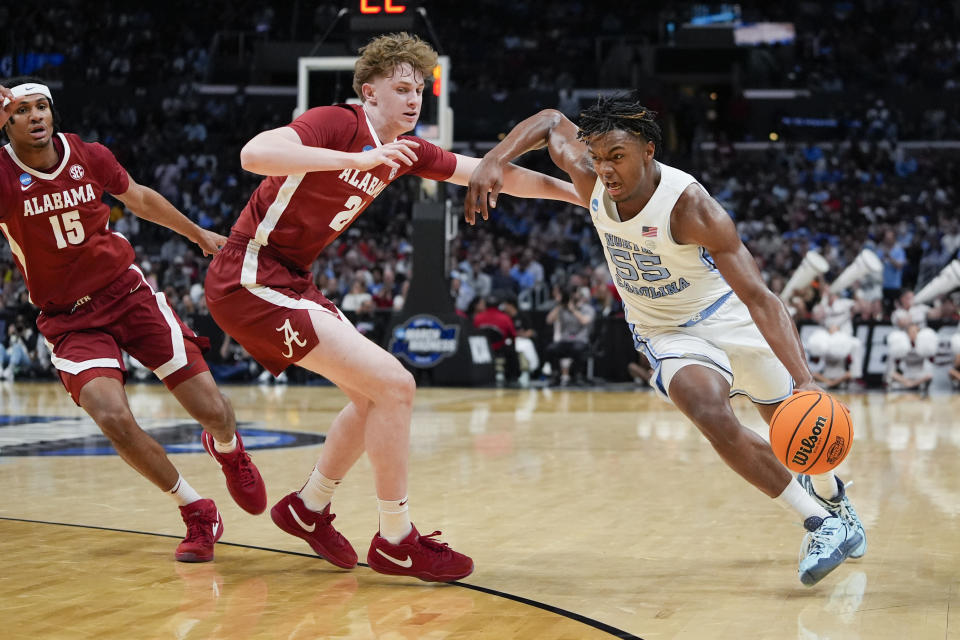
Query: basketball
(811, 432)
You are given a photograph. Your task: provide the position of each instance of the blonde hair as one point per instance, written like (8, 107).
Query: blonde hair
(382, 55)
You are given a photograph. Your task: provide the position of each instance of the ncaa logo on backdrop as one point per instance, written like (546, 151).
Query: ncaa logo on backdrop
(423, 341)
(76, 171)
(63, 436)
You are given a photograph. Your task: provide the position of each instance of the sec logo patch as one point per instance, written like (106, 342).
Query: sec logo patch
(76, 172)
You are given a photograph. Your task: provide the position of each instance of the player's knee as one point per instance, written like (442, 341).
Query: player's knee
(716, 421)
(722, 430)
(215, 414)
(400, 385)
(116, 423)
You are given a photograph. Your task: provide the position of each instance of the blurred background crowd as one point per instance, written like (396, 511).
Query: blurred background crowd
(819, 126)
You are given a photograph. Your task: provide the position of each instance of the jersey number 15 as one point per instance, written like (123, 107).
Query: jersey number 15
(70, 231)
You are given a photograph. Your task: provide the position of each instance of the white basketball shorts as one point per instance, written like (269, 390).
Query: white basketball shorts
(726, 340)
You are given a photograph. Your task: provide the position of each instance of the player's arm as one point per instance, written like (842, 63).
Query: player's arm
(8, 104)
(550, 129)
(698, 219)
(280, 152)
(146, 203)
(521, 182)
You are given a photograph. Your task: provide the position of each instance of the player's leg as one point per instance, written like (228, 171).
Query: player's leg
(153, 334)
(100, 393)
(307, 513)
(382, 393)
(199, 395)
(759, 374)
(202, 399)
(104, 399)
(828, 490)
(697, 391)
(703, 394)
(378, 380)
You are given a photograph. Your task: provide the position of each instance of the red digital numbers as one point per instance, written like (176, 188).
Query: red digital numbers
(372, 6)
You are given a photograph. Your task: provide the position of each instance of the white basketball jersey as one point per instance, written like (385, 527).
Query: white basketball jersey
(662, 283)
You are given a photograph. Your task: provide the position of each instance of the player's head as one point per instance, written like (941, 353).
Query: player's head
(620, 112)
(389, 76)
(623, 137)
(35, 120)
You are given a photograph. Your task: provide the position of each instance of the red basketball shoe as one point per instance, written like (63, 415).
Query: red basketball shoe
(204, 528)
(418, 556)
(243, 479)
(291, 515)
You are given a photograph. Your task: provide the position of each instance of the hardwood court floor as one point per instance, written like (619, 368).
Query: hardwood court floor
(590, 514)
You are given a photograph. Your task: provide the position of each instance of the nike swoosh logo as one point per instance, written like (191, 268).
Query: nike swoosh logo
(24, 188)
(216, 526)
(301, 522)
(136, 287)
(406, 564)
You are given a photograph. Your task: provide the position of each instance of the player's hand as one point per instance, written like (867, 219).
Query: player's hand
(9, 104)
(813, 386)
(486, 181)
(809, 386)
(210, 242)
(393, 155)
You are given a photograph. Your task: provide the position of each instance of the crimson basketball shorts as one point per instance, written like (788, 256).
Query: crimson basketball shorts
(264, 303)
(86, 342)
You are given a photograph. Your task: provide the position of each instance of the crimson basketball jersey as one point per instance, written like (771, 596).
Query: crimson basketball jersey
(56, 222)
(299, 215)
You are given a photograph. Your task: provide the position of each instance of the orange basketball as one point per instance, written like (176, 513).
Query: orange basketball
(811, 432)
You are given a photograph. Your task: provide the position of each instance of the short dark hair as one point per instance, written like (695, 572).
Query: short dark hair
(10, 83)
(620, 111)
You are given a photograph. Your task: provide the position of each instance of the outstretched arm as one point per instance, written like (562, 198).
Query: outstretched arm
(698, 219)
(280, 152)
(146, 203)
(548, 128)
(518, 181)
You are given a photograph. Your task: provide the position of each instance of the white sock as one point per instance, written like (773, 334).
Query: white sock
(183, 493)
(318, 491)
(796, 498)
(226, 447)
(825, 485)
(394, 520)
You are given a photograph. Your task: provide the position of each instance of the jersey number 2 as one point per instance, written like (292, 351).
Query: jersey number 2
(71, 225)
(343, 218)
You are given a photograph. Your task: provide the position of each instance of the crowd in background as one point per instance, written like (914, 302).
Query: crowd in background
(861, 189)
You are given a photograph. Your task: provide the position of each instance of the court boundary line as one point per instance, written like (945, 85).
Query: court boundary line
(576, 617)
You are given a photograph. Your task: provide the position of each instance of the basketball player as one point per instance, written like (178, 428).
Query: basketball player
(94, 302)
(694, 300)
(323, 170)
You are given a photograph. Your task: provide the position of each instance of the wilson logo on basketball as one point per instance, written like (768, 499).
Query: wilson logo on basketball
(835, 452)
(807, 445)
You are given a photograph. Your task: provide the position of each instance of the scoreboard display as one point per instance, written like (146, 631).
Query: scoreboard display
(383, 15)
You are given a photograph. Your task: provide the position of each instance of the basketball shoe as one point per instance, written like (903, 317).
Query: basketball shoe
(418, 556)
(204, 528)
(243, 479)
(828, 543)
(841, 507)
(291, 515)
